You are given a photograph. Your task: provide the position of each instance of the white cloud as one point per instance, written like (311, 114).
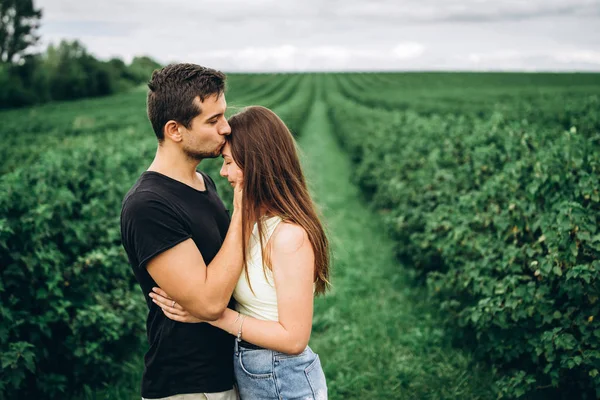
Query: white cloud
(555, 59)
(495, 56)
(296, 58)
(580, 56)
(406, 51)
(256, 58)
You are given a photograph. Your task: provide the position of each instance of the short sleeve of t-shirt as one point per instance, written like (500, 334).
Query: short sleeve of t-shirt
(149, 226)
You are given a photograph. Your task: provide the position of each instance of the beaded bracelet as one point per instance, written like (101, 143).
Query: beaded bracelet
(239, 335)
(237, 318)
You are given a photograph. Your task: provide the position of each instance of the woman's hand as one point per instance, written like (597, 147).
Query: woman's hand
(170, 308)
(237, 197)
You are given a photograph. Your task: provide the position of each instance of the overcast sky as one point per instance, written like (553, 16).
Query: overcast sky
(314, 35)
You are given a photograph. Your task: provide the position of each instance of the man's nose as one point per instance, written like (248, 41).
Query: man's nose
(225, 129)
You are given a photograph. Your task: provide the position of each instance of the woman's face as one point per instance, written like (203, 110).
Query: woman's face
(230, 169)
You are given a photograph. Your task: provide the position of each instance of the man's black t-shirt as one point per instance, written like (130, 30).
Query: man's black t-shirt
(158, 213)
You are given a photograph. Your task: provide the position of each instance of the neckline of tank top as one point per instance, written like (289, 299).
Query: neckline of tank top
(204, 192)
(265, 220)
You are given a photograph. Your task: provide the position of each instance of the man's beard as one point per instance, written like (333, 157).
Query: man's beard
(201, 155)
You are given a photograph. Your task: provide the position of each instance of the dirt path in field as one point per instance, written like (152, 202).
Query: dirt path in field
(377, 336)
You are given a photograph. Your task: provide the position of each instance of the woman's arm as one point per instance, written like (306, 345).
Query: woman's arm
(292, 258)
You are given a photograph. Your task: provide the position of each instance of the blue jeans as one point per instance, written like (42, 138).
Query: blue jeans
(271, 375)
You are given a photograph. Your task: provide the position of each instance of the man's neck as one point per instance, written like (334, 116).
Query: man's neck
(178, 167)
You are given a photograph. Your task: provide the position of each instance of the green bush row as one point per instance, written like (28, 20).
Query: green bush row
(501, 219)
(69, 304)
(550, 99)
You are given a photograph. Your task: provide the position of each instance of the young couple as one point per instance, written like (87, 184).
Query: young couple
(228, 298)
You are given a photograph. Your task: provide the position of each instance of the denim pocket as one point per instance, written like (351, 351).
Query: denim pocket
(316, 379)
(257, 363)
(254, 375)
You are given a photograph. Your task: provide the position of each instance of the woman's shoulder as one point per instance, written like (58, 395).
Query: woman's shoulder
(288, 238)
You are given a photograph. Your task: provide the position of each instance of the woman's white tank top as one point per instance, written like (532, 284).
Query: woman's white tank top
(262, 304)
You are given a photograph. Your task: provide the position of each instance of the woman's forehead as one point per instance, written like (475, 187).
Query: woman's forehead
(226, 152)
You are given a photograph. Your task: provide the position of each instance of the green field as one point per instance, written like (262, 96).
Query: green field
(462, 208)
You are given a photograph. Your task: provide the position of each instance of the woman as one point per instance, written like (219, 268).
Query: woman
(286, 261)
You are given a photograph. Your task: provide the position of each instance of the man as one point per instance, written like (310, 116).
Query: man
(178, 236)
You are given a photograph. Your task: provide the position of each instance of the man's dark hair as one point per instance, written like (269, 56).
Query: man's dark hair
(173, 90)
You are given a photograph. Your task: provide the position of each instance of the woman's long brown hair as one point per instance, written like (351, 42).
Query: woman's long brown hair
(274, 184)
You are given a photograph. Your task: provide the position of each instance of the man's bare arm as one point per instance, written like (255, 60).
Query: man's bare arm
(203, 290)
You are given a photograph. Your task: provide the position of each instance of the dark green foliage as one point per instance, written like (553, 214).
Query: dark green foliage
(500, 216)
(70, 309)
(66, 72)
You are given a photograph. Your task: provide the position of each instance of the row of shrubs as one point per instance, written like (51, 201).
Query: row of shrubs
(72, 314)
(545, 99)
(500, 219)
(70, 307)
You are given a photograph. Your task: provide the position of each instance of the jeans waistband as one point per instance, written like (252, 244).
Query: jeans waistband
(246, 345)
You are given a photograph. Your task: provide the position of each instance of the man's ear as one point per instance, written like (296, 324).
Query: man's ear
(173, 131)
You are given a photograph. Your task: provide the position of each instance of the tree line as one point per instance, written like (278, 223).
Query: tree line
(62, 72)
